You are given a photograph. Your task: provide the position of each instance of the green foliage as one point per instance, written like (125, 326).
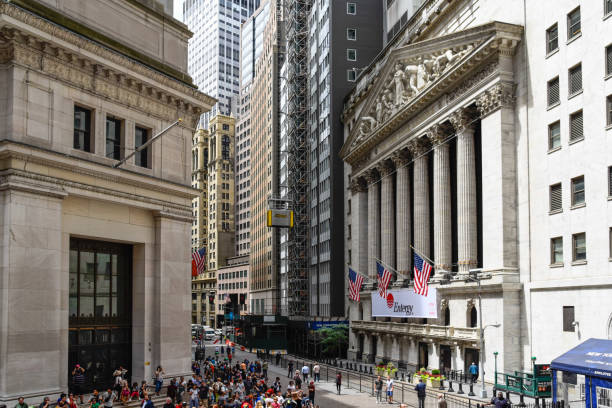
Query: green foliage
(334, 339)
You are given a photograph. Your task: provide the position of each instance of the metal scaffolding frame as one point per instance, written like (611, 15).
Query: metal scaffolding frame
(296, 18)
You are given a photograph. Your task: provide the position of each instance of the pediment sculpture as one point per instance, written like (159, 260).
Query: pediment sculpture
(407, 79)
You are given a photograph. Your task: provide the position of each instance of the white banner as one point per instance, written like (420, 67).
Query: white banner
(405, 303)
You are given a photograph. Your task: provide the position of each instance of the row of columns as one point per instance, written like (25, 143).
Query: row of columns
(384, 228)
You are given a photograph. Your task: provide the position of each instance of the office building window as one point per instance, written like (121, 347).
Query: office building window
(574, 80)
(351, 8)
(351, 34)
(552, 39)
(610, 181)
(556, 251)
(607, 7)
(609, 110)
(554, 135)
(82, 129)
(351, 54)
(568, 319)
(610, 243)
(609, 60)
(113, 138)
(556, 198)
(579, 247)
(553, 91)
(351, 75)
(142, 158)
(578, 190)
(573, 23)
(576, 126)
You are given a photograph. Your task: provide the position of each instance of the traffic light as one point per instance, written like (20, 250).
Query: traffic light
(242, 298)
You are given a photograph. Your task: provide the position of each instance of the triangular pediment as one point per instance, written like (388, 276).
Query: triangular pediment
(415, 74)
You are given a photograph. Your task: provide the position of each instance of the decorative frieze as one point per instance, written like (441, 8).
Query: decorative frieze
(501, 95)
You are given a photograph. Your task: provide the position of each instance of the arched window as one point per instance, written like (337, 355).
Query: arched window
(447, 316)
(473, 317)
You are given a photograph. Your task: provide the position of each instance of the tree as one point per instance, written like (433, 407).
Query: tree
(334, 339)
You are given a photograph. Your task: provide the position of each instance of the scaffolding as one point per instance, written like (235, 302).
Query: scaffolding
(296, 18)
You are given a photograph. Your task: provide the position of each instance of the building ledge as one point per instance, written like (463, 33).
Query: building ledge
(449, 333)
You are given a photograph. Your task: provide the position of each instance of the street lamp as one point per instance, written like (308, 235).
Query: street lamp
(473, 277)
(495, 353)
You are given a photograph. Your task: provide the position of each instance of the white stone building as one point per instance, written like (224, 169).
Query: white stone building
(95, 259)
(466, 139)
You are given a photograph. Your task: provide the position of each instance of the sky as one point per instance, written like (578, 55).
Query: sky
(178, 10)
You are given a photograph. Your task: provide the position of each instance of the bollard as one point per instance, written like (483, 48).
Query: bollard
(370, 370)
(340, 363)
(360, 368)
(522, 400)
(403, 376)
(441, 385)
(537, 402)
(471, 393)
(508, 397)
(460, 389)
(450, 386)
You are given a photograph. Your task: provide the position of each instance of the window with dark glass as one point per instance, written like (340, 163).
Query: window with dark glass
(568, 319)
(609, 60)
(82, 129)
(552, 39)
(579, 247)
(225, 147)
(607, 7)
(573, 23)
(113, 138)
(609, 110)
(556, 250)
(578, 190)
(554, 135)
(141, 136)
(351, 8)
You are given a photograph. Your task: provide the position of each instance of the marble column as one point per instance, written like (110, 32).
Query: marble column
(466, 192)
(373, 180)
(442, 199)
(359, 225)
(387, 213)
(421, 215)
(402, 209)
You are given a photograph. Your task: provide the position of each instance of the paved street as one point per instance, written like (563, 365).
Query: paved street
(326, 396)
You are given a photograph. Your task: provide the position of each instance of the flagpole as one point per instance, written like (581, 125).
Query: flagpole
(393, 269)
(360, 274)
(423, 256)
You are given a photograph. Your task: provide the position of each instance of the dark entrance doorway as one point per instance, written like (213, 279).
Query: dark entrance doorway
(445, 358)
(423, 355)
(471, 356)
(373, 348)
(100, 310)
(360, 348)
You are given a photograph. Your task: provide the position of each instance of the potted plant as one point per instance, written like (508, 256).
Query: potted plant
(380, 368)
(432, 379)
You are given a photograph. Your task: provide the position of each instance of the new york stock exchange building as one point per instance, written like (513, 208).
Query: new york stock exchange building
(465, 139)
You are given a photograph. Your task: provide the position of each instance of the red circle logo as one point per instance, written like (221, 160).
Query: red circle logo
(390, 301)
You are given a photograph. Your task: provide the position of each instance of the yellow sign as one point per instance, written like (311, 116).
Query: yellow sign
(147, 363)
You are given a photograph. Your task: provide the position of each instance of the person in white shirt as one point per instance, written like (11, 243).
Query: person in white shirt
(316, 372)
(305, 372)
(390, 390)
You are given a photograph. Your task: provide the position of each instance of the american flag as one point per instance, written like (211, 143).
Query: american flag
(199, 257)
(355, 282)
(422, 270)
(384, 277)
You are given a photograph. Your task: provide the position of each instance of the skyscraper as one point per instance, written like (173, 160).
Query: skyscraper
(214, 49)
(343, 38)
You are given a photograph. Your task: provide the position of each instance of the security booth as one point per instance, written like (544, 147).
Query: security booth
(582, 377)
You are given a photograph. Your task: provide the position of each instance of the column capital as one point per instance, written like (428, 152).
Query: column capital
(358, 185)
(501, 95)
(401, 158)
(436, 134)
(385, 167)
(461, 120)
(371, 176)
(418, 146)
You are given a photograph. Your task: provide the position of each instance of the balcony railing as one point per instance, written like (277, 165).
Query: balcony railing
(420, 330)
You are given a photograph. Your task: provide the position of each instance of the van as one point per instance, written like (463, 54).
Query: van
(209, 334)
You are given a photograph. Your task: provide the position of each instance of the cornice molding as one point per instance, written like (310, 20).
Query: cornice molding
(500, 95)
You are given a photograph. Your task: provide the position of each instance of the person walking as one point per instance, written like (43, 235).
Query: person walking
(316, 372)
(390, 390)
(421, 394)
(305, 372)
(289, 369)
(378, 385)
(338, 382)
(159, 379)
(441, 401)
(473, 369)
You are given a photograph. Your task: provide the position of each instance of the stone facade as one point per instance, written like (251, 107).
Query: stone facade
(453, 112)
(52, 190)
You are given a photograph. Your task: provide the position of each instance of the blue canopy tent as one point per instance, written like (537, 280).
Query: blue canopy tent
(593, 359)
